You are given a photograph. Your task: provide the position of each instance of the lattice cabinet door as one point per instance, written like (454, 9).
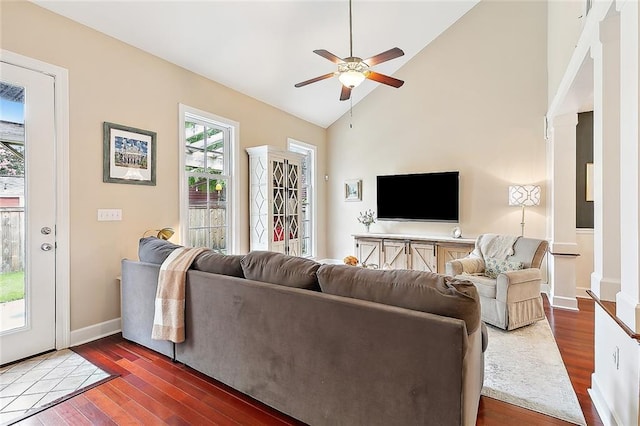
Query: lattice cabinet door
(278, 204)
(274, 199)
(292, 208)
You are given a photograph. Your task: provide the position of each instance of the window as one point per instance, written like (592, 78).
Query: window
(208, 157)
(307, 195)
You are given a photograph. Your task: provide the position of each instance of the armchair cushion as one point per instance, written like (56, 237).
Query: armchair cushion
(486, 286)
(494, 267)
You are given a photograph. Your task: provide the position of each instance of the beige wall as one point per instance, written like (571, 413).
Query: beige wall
(112, 81)
(565, 22)
(473, 101)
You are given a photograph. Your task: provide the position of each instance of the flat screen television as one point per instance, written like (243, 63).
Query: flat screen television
(429, 197)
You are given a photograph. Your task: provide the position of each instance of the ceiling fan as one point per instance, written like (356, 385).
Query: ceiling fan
(353, 70)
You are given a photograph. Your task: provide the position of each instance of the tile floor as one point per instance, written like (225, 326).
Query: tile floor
(35, 382)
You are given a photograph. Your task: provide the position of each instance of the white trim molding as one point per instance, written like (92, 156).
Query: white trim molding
(63, 275)
(606, 415)
(95, 332)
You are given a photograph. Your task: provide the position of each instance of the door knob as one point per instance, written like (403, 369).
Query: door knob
(46, 247)
(45, 230)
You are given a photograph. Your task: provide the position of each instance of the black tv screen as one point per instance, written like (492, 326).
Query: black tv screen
(429, 197)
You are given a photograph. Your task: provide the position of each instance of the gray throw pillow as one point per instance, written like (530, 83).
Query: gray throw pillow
(217, 263)
(155, 250)
(416, 290)
(277, 268)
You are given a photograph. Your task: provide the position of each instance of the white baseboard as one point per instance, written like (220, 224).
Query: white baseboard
(546, 289)
(95, 332)
(562, 302)
(607, 417)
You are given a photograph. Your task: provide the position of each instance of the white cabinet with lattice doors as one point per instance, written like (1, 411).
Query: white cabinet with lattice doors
(274, 200)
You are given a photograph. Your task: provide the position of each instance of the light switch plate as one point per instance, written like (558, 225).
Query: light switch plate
(109, 215)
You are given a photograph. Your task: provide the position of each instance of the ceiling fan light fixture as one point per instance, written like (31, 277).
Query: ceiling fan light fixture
(353, 70)
(351, 78)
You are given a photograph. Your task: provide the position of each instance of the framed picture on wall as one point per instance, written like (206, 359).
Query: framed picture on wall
(353, 190)
(129, 155)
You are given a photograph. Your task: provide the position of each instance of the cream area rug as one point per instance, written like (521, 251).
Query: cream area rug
(524, 367)
(38, 383)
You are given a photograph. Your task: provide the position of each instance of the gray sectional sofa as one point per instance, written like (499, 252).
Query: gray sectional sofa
(325, 344)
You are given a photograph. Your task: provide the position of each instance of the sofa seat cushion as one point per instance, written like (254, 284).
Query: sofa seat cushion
(416, 290)
(278, 268)
(217, 263)
(486, 286)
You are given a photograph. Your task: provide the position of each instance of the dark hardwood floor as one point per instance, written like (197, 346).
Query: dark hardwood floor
(152, 390)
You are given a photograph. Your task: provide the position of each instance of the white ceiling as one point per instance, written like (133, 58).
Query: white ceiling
(262, 48)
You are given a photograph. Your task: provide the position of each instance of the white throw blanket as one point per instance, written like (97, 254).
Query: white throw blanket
(168, 319)
(496, 246)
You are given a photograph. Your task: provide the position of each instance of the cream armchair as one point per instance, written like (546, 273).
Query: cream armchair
(506, 271)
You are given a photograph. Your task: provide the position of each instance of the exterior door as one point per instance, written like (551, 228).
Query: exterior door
(27, 213)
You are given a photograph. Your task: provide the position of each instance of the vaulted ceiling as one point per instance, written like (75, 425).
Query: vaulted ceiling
(262, 48)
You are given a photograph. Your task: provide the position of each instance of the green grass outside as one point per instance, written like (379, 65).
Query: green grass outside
(11, 286)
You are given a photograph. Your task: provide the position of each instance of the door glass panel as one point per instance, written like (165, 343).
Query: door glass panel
(12, 219)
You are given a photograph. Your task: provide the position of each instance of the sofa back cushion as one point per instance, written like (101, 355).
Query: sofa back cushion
(217, 263)
(278, 268)
(155, 250)
(416, 290)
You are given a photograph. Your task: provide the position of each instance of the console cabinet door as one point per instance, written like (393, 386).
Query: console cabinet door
(394, 254)
(424, 257)
(447, 253)
(368, 251)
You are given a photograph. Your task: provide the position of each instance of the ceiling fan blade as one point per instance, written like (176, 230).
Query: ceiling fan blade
(328, 55)
(385, 79)
(384, 56)
(313, 80)
(345, 93)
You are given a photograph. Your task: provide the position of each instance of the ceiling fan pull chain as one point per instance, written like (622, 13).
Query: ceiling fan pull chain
(351, 113)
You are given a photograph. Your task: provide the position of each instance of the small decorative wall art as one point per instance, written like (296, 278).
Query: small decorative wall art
(353, 190)
(589, 183)
(129, 155)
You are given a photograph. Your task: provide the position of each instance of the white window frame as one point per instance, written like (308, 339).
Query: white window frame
(233, 236)
(311, 151)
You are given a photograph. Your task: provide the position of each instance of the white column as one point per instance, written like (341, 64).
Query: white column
(605, 279)
(562, 199)
(627, 300)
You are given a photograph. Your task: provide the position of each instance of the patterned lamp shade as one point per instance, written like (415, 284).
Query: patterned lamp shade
(524, 195)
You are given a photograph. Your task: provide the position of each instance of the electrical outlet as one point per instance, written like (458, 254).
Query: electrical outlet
(109, 215)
